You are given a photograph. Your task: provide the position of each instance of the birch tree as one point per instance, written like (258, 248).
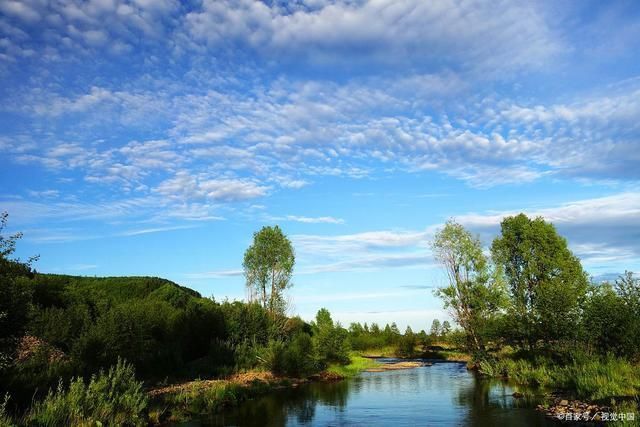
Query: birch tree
(473, 294)
(268, 267)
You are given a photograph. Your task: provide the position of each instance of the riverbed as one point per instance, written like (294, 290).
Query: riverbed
(443, 394)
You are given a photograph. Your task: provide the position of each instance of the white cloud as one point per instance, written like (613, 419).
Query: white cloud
(471, 33)
(311, 220)
(155, 230)
(184, 186)
(601, 229)
(20, 10)
(215, 274)
(360, 242)
(374, 262)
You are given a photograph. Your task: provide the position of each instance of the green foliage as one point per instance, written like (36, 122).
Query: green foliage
(407, 344)
(364, 338)
(546, 282)
(611, 318)
(209, 399)
(445, 329)
(268, 266)
(112, 398)
(475, 293)
(331, 340)
(436, 329)
(246, 322)
(590, 378)
(296, 358)
(15, 295)
(356, 365)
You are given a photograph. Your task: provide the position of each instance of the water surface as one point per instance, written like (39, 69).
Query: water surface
(445, 394)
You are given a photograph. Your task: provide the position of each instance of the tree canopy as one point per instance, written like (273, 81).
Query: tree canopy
(473, 293)
(546, 282)
(268, 266)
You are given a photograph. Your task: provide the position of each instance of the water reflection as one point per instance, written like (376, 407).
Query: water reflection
(440, 395)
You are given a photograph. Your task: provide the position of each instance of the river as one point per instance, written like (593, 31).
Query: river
(444, 394)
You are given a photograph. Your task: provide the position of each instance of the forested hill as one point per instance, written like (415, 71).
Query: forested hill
(70, 325)
(56, 289)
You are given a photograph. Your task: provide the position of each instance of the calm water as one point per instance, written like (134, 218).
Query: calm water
(444, 394)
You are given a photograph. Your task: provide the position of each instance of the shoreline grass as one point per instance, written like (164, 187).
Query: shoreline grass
(184, 401)
(357, 364)
(594, 379)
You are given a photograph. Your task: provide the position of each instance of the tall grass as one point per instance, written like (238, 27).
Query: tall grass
(199, 399)
(602, 378)
(5, 419)
(111, 398)
(593, 379)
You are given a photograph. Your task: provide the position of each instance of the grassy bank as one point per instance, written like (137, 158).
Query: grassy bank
(596, 379)
(356, 365)
(184, 401)
(438, 351)
(115, 397)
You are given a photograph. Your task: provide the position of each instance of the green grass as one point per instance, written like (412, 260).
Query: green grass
(5, 419)
(356, 365)
(386, 351)
(209, 399)
(110, 398)
(601, 379)
(591, 379)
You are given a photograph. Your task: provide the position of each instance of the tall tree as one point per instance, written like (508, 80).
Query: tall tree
(435, 328)
(446, 328)
(474, 294)
(268, 266)
(546, 281)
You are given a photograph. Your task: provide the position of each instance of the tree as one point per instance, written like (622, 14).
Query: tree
(375, 329)
(445, 329)
(331, 339)
(268, 266)
(435, 328)
(546, 282)
(628, 287)
(407, 343)
(609, 325)
(474, 294)
(15, 295)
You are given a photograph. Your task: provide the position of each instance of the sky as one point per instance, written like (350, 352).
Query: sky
(154, 137)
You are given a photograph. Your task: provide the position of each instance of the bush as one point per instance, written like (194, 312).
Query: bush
(299, 357)
(113, 398)
(331, 340)
(296, 358)
(407, 345)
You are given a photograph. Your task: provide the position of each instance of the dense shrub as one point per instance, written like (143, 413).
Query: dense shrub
(611, 318)
(112, 398)
(407, 344)
(331, 340)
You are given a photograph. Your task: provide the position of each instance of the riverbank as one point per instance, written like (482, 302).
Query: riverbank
(180, 402)
(441, 351)
(594, 385)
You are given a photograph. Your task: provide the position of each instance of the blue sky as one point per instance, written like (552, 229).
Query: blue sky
(154, 137)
